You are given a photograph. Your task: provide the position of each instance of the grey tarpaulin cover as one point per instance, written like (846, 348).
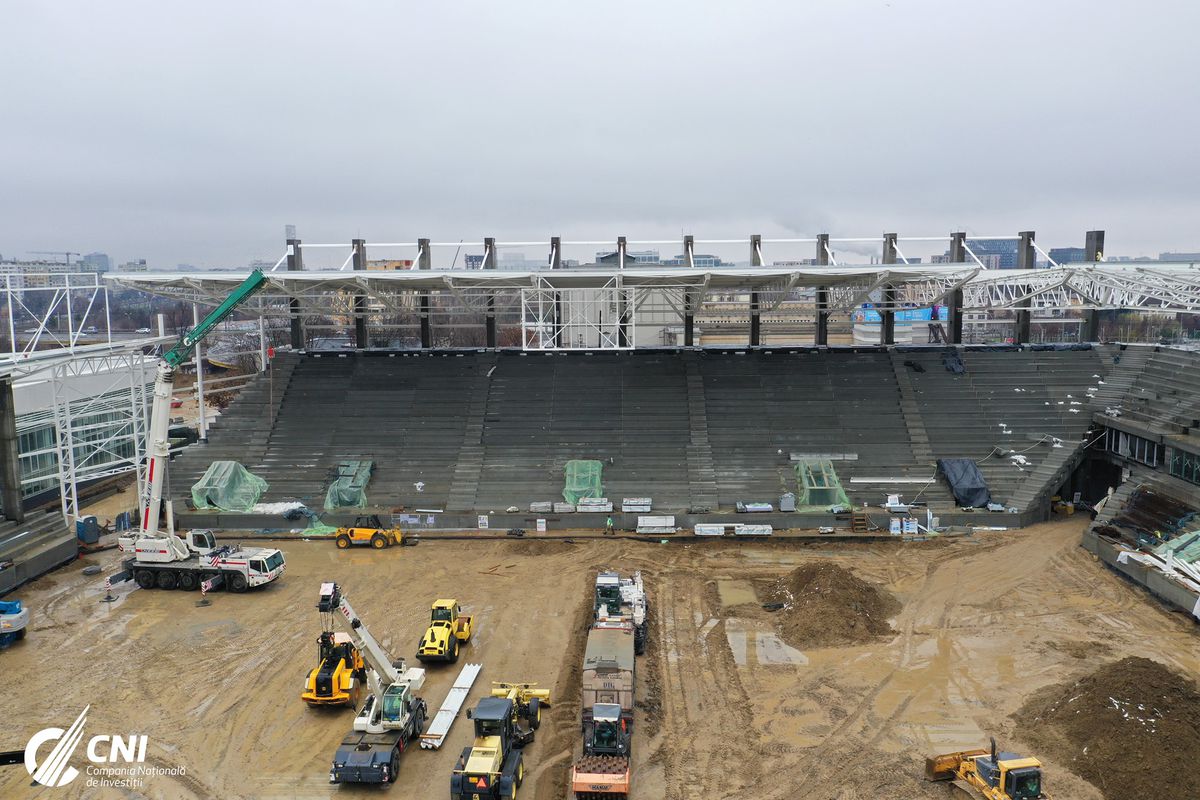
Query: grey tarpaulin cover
(966, 481)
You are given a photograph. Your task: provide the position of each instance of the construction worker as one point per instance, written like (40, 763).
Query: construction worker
(608, 527)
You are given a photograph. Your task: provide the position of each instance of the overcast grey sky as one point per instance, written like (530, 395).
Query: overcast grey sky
(194, 132)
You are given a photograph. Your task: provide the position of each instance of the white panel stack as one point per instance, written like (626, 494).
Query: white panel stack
(656, 525)
(439, 726)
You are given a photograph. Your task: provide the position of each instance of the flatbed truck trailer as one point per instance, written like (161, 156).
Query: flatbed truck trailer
(364, 757)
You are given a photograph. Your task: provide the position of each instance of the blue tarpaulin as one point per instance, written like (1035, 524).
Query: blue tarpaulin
(966, 481)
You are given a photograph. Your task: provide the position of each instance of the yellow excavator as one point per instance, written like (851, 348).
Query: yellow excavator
(992, 775)
(448, 629)
(340, 674)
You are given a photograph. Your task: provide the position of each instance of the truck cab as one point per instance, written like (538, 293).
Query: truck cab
(1011, 776)
(607, 733)
(264, 567)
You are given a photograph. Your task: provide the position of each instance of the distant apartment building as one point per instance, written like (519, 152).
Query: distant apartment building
(631, 257)
(35, 274)
(699, 261)
(1006, 249)
(1179, 256)
(390, 264)
(135, 266)
(989, 260)
(96, 262)
(1068, 255)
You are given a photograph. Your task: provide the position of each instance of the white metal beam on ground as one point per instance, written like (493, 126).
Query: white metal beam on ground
(440, 724)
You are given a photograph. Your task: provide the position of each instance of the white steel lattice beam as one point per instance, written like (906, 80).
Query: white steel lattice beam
(87, 449)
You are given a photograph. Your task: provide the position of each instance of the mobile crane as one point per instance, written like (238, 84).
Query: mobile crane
(162, 559)
(392, 716)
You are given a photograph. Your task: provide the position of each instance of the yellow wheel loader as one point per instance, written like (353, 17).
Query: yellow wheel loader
(448, 630)
(992, 775)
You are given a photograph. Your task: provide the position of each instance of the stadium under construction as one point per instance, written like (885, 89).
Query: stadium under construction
(717, 429)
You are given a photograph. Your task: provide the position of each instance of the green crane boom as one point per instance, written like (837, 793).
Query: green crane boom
(183, 348)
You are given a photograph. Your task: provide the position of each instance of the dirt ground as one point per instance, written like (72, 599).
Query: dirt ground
(1110, 726)
(726, 708)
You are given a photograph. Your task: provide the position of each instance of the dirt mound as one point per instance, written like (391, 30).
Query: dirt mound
(825, 604)
(1131, 728)
(539, 547)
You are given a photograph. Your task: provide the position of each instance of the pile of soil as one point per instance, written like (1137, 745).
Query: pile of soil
(1131, 728)
(826, 605)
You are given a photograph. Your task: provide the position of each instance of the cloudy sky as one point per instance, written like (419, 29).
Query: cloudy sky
(194, 132)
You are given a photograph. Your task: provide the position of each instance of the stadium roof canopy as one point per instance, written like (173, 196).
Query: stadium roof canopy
(1136, 285)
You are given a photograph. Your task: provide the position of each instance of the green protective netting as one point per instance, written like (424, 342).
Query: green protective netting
(582, 480)
(349, 487)
(818, 485)
(318, 528)
(228, 486)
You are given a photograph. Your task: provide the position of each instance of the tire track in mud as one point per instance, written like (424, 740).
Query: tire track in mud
(704, 703)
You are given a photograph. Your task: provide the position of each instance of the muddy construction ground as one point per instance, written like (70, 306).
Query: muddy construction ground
(726, 708)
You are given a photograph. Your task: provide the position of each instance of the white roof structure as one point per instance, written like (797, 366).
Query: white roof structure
(1137, 285)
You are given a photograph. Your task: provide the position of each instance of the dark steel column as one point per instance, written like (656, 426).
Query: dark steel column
(822, 307)
(425, 261)
(755, 319)
(295, 263)
(689, 311)
(958, 255)
(689, 320)
(1093, 253)
(887, 318)
(359, 264)
(489, 320)
(1026, 259)
(10, 456)
(426, 328)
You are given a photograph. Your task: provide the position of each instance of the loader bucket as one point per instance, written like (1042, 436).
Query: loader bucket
(945, 767)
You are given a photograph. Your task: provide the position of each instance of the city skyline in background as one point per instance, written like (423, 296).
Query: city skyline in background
(993, 254)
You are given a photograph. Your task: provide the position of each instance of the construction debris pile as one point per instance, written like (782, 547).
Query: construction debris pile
(1132, 728)
(825, 605)
(1160, 532)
